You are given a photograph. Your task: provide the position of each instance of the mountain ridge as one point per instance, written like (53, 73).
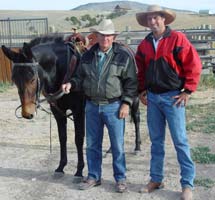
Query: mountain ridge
(109, 6)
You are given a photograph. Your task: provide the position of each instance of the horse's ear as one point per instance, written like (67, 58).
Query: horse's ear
(12, 55)
(27, 51)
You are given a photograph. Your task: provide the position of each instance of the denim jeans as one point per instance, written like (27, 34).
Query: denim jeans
(160, 110)
(96, 117)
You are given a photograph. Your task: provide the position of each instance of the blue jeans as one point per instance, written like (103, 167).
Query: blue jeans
(160, 110)
(96, 117)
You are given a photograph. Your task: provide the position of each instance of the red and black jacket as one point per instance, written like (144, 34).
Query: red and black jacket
(175, 65)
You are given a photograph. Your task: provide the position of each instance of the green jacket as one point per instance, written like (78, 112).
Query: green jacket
(118, 77)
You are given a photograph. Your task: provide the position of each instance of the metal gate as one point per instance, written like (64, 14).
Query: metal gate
(13, 32)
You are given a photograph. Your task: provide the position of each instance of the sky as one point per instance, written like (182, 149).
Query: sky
(193, 5)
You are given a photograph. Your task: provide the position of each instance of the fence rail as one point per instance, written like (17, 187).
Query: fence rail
(202, 39)
(13, 32)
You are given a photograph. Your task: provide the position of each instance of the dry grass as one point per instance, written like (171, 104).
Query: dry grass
(57, 19)
(183, 21)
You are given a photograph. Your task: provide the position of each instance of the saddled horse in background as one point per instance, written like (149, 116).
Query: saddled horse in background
(41, 66)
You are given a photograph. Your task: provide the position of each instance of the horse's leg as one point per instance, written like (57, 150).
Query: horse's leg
(135, 114)
(62, 134)
(79, 122)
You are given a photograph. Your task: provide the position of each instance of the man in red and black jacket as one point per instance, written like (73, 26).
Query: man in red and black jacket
(169, 71)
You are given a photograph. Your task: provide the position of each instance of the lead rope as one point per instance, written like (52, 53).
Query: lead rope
(50, 124)
(50, 127)
(50, 132)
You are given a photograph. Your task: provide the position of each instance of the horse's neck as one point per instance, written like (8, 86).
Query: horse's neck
(47, 80)
(55, 61)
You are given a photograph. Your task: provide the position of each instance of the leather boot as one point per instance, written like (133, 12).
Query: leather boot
(187, 194)
(151, 186)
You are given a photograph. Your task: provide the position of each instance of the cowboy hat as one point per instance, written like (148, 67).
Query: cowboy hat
(167, 14)
(105, 27)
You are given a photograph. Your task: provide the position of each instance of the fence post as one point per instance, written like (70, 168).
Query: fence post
(127, 38)
(9, 28)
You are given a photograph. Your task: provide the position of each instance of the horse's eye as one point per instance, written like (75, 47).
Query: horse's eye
(33, 80)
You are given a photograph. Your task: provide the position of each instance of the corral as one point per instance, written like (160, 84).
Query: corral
(26, 169)
(18, 31)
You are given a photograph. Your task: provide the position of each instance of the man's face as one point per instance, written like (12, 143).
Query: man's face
(105, 41)
(156, 22)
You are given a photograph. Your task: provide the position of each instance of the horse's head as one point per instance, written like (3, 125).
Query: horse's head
(26, 78)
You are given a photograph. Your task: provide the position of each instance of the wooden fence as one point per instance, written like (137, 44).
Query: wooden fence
(5, 68)
(202, 39)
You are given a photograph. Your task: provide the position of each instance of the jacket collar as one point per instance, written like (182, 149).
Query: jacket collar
(115, 47)
(167, 33)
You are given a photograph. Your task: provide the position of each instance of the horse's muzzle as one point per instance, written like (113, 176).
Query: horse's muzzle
(29, 116)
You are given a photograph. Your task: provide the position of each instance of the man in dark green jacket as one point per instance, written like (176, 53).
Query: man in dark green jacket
(107, 75)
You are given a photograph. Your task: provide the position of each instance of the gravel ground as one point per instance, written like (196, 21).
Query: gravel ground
(27, 165)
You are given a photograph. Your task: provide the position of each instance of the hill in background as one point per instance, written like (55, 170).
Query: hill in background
(56, 19)
(109, 6)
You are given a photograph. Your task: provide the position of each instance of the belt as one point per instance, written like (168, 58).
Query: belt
(157, 90)
(103, 101)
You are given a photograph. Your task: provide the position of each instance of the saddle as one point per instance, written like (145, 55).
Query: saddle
(77, 44)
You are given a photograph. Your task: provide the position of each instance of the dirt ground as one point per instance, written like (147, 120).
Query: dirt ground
(27, 166)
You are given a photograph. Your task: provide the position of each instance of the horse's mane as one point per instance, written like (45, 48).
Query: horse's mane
(76, 40)
(56, 38)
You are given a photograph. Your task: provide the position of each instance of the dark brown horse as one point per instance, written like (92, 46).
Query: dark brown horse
(41, 66)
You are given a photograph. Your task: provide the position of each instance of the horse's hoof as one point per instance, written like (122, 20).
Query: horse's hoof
(77, 179)
(106, 154)
(58, 175)
(78, 173)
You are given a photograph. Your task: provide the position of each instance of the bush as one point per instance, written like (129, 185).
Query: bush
(75, 21)
(200, 118)
(207, 81)
(116, 14)
(4, 87)
(202, 155)
(85, 20)
(204, 182)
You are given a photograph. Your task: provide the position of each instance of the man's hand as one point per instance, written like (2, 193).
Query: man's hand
(181, 99)
(66, 88)
(124, 111)
(143, 97)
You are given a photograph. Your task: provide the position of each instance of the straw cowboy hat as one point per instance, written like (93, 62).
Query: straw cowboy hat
(168, 15)
(105, 27)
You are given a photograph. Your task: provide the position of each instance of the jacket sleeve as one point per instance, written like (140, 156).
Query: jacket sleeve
(129, 81)
(76, 80)
(139, 57)
(191, 64)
